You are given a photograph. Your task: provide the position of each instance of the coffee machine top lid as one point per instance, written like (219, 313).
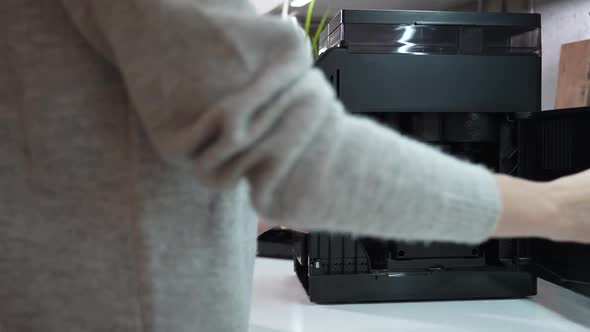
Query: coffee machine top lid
(431, 32)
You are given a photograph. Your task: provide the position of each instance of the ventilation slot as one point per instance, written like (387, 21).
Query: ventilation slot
(556, 143)
(337, 86)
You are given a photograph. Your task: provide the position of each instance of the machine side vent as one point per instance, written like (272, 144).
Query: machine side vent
(556, 144)
(335, 82)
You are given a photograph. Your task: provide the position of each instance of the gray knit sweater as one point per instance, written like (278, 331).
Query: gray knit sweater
(139, 137)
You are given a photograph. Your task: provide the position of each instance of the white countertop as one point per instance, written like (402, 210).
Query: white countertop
(279, 304)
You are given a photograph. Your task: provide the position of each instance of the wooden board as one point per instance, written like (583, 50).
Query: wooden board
(573, 85)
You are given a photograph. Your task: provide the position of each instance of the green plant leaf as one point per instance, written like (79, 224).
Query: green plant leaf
(316, 38)
(308, 18)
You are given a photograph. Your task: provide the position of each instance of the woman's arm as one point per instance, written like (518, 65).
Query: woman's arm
(236, 95)
(558, 210)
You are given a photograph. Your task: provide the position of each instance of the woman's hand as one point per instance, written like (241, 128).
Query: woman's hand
(572, 196)
(557, 210)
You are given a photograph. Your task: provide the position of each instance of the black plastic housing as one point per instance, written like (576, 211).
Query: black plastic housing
(554, 144)
(387, 61)
(338, 269)
(428, 32)
(482, 105)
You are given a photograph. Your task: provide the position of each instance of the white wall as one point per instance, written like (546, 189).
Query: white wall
(564, 21)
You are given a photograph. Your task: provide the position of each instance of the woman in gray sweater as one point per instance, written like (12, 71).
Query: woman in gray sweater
(139, 137)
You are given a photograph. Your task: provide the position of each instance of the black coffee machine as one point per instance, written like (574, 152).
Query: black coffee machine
(469, 83)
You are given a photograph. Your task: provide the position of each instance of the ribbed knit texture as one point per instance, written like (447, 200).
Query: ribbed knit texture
(139, 137)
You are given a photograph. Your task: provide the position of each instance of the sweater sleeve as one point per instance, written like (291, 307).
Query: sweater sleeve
(236, 94)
